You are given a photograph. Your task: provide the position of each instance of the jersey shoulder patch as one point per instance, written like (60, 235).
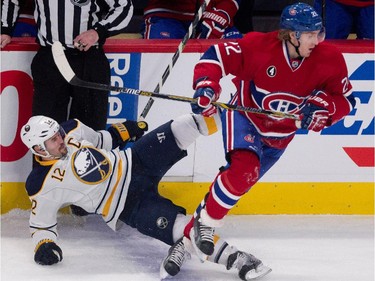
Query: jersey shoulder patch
(36, 178)
(70, 125)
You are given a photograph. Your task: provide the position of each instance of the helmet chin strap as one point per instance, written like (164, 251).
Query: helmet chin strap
(47, 156)
(296, 48)
(298, 35)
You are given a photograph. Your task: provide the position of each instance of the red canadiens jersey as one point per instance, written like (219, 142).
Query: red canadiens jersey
(266, 78)
(356, 3)
(184, 10)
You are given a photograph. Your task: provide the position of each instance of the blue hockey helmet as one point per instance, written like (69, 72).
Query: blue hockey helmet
(300, 17)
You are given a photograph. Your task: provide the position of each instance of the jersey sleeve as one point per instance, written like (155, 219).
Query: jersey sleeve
(43, 219)
(118, 17)
(79, 131)
(229, 7)
(9, 14)
(338, 86)
(223, 59)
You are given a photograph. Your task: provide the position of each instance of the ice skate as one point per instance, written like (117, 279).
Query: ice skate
(202, 234)
(177, 254)
(248, 266)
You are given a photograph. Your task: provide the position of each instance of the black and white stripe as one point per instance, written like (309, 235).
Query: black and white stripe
(63, 20)
(9, 13)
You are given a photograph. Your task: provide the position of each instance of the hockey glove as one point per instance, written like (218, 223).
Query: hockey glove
(214, 24)
(205, 93)
(127, 131)
(47, 252)
(316, 112)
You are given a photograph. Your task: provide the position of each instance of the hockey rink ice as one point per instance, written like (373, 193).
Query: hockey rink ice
(297, 248)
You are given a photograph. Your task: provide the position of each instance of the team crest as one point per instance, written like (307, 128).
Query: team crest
(90, 166)
(165, 34)
(282, 102)
(80, 3)
(292, 11)
(295, 64)
(271, 71)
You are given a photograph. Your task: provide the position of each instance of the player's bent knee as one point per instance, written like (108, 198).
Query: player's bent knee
(243, 171)
(156, 217)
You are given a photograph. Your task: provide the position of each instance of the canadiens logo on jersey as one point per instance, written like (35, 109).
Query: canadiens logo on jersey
(90, 165)
(277, 101)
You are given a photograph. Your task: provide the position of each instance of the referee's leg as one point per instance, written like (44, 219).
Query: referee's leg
(51, 91)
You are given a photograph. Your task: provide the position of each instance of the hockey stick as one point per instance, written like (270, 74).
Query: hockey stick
(176, 55)
(69, 75)
(324, 12)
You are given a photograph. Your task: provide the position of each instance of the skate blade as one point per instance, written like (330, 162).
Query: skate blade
(202, 256)
(257, 273)
(163, 274)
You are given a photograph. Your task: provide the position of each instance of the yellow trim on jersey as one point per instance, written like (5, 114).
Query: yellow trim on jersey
(45, 162)
(107, 205)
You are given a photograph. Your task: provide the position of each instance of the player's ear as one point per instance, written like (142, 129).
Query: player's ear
(292, 35)
(39, 150)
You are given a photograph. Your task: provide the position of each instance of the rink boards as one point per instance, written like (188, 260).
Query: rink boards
(331, 172)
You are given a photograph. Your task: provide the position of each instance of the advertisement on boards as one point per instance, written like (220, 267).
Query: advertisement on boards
(342, 153)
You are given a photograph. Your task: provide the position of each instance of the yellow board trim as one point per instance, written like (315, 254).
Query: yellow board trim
(264, 198)
(284, 198)
(14, 195)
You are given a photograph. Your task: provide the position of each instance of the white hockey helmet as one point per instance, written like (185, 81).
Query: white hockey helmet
(37, 130)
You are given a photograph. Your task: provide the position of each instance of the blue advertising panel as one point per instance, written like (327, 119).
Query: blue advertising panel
(365, 72)
(125, 72)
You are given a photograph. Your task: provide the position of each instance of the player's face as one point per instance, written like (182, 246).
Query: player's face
(56, 146)
(308, 41)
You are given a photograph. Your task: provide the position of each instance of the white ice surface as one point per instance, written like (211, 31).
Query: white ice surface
(297, 248)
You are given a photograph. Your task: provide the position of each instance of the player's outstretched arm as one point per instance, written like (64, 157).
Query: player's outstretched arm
(127, 131)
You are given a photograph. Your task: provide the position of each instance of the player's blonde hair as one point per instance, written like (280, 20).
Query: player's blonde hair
(284, 34)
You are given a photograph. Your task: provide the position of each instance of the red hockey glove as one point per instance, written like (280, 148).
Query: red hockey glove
(214, 24)
(127, 131)
(47, 252)
(316, 112)
(205, 93)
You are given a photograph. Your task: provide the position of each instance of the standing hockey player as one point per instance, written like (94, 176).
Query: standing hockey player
(77, 165)
(290, 71)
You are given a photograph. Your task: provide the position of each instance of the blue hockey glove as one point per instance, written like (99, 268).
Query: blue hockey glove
(127, 131)
(316, 112)
(205, 93)
(214, 24)
(47, 253)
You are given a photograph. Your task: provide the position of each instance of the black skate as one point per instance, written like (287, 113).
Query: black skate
(248, 266)
(177, 254)
(203, 236)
